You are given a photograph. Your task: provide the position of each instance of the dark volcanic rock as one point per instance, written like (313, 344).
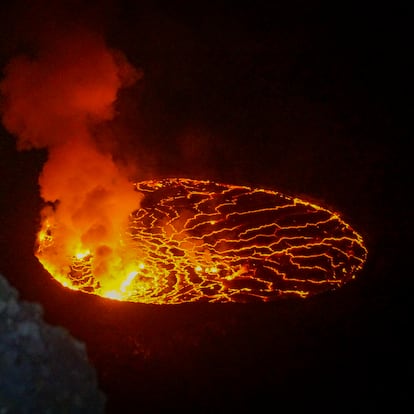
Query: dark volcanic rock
(43, 369)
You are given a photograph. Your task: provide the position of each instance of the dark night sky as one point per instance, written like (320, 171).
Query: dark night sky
(308, 99)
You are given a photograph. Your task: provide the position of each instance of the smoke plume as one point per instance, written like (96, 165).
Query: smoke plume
(56, 99)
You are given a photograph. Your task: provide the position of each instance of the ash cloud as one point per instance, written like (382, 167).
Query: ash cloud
(70, 86)
(57, 98)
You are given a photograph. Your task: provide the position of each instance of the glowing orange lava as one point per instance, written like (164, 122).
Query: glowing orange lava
(193, 240)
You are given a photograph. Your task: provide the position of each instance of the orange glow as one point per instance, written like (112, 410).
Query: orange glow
(59, 98)
(191, 240)
(160, 241)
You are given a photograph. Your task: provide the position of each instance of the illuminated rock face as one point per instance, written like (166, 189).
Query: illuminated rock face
(196, 240)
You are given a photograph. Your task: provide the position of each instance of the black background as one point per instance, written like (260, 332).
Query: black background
(305, 98)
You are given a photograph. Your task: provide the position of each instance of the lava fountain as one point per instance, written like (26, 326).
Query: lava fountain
(193, 240)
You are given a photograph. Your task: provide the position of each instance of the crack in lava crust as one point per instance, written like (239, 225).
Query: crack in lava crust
(204, 241)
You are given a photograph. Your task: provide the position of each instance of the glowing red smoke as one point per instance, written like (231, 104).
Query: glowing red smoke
(55, 100)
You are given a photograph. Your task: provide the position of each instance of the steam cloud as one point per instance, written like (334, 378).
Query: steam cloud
(56, 100)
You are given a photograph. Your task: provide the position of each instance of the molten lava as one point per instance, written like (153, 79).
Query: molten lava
(191, 240)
